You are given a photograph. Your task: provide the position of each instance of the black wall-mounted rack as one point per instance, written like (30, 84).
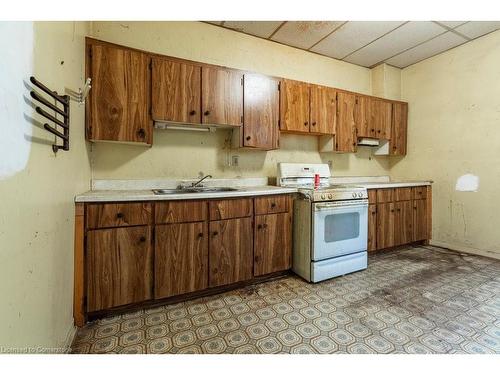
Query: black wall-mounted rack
(64, 113)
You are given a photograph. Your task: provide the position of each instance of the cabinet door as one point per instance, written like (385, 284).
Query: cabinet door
(345, 134)
(176, 91)
(381, 114)
(261, 111)
(420, 219)
(119, 267)
(385, 225)
(364, 121)
(181, 259)
(294, 107)
(231, 251)
(119, 99)
(222, 96)
(273, 243)
(399, 128)
(323, 108)
(372, 227)
(403, 223)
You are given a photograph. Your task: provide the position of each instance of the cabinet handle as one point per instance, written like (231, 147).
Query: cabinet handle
(273, 205)
(142, 239)
(215, 233)
(248, 138)
(200, 235)
(141, 133)
(192, 113)
(119, 215)
(207, 113)
(392, 210)
(378, 131)
(306, 123)
(314, 123)
(374, 212)
(399, 209)
(265, 226)
(259, 226)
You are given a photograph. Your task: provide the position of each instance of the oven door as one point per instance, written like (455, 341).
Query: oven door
(339, 228)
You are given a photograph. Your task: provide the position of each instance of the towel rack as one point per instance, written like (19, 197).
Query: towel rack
(64, 113)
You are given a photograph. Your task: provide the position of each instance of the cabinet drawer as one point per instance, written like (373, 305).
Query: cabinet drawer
(230, 208)
(180, 212)
(385, 195)
(272, 204)
(110, 215)
(372, 196)
(419, 192)
(402, 194)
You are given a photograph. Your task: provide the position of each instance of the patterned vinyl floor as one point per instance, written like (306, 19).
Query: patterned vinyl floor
(413, 300)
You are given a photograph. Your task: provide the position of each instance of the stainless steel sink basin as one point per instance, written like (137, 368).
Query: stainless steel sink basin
(190, 190)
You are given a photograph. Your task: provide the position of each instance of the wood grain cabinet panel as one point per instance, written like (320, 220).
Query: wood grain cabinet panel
(108, 215)
(222, 96)
(119, 267)
(345, 133)
(230, 208)
(181, 259)
(399, 129)
(120, 96)
(364, 122)
(403, 223)
(273, 243)
(372, 196)
(419, 192)
(385, 195)
(294, 106)
(231, 251)
(402, 194)
(180, 211)
(381, 116)
(176, 91)
(372, 227)
(385, 225)
(272, 204)
(420, 228)
(323, 106)
(261, 112)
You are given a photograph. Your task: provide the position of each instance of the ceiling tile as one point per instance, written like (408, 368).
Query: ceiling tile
(263, 29)
(303, 34)
(218, 23)
(452, 24)
(427, 49)
(475, 29)
(404, 37)
(352, 36)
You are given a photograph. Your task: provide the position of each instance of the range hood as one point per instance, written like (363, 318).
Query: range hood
(158, 124)
(368, 142)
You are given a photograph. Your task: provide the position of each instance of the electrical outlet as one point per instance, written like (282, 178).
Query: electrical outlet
(235, 160)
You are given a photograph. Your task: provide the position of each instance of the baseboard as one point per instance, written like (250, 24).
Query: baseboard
(466, 249)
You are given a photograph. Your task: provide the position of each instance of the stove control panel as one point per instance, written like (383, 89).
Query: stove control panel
(335, 194)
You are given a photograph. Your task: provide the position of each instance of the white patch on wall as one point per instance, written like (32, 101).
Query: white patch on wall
(467, 182)
(16, 44)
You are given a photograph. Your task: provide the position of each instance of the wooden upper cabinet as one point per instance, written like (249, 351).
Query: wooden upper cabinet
(399, 129)
(118, 104)
(261, 112)
(176, 91)
(294, 106)
(345, 133)
(221, 96)
(381, 117)
(322, 109)
(363, 117)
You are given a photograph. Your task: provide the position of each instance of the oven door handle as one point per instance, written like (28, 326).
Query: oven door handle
(329, 206)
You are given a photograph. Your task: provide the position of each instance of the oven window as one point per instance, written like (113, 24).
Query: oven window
(339, 227)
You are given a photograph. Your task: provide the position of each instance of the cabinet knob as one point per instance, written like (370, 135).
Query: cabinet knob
(215, 233)
(273, 205)
(314, 123)
(265, 226)
(306, 123)
(207, 113)
(373, 213)
(259, 226)
(192, 113)
(200, 235)
(392, 210)
(248, 138)
(399, 209)
(119, 215)
(141, 133)
(142, 239)
(378, 131)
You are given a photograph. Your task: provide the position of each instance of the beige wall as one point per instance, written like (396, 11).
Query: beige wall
(37, 210)
(184, 154)
(454, 129)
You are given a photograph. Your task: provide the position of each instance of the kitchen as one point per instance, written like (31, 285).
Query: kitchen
(208, 201)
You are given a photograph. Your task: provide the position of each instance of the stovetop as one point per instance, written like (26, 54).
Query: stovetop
(334, 192)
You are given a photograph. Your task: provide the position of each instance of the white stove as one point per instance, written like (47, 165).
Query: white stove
(330, 223)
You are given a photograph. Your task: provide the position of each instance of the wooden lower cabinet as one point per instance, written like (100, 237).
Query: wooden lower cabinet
(231, 251)
(372, 227)
(119, 267)
(273, 243)
(181, 259)
(420, 220)
(385, 225)
(403, 223)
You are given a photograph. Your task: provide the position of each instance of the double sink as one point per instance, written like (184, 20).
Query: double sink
(190, 190)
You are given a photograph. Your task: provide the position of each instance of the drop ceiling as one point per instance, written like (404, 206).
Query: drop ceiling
(368, 43)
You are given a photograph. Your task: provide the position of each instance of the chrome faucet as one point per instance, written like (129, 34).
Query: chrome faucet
(197, 183)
